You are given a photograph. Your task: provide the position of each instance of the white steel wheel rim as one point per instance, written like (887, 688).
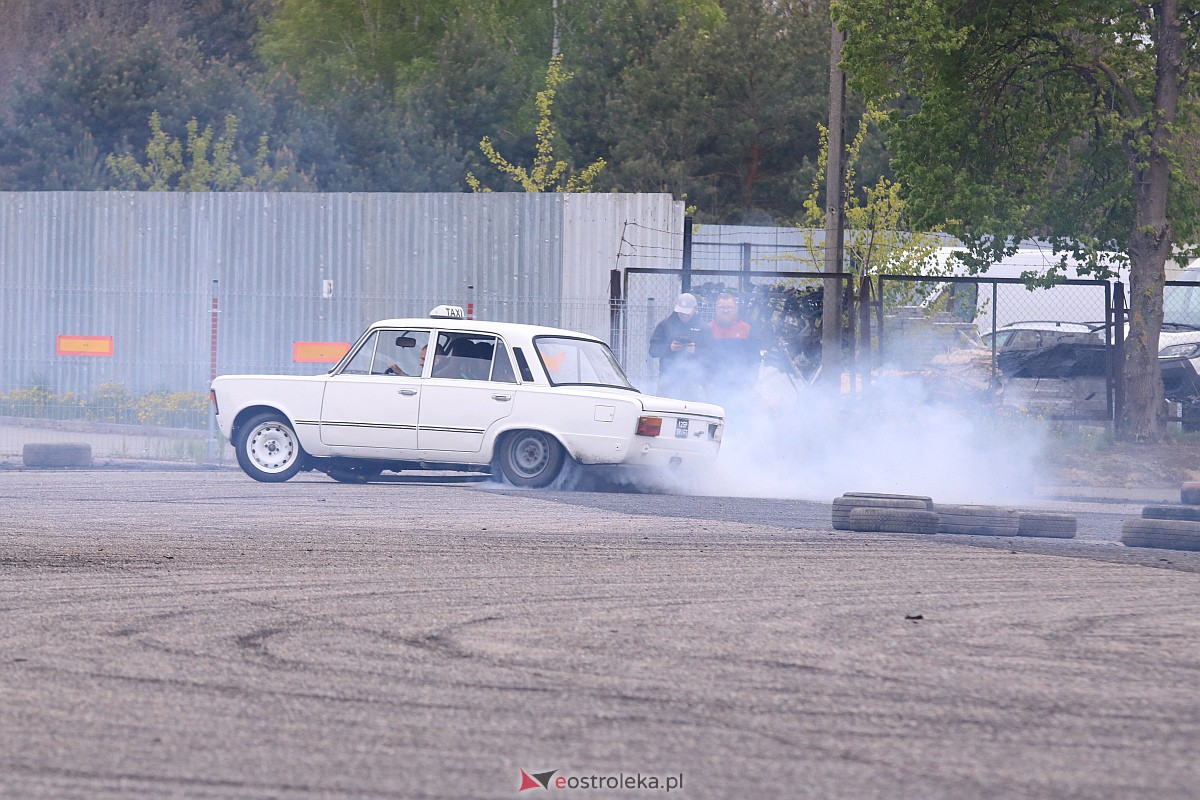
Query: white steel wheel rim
(530, 454)
(272, 447)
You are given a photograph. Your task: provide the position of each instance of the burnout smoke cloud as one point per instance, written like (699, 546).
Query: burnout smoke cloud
(807, 443)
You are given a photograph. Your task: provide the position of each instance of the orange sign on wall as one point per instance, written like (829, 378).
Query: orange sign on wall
(319, 352)
(84, 345)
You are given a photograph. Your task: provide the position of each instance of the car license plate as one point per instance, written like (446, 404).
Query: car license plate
(681, 429)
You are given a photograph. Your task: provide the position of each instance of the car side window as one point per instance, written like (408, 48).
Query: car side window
(360, 363)
(464, 356)
(400, 352)
(502, 368)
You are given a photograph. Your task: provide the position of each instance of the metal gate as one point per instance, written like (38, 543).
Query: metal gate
(783, 307)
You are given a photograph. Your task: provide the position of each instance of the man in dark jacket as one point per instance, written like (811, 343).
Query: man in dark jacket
(680, 343)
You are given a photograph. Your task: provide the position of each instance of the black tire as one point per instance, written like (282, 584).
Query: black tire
(1190, 513)
(928, 501)
(1047, 525)
(976, 530)
(57, 454)
(842, 506)
(1189, 493)
(1167, 534)
(530, 459)
(977, 520)
(268, 448)
(893, 520)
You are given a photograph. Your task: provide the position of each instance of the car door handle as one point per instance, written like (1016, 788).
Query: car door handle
(407, 392)
(502, 397)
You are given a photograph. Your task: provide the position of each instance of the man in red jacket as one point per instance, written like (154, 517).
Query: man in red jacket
(735, 354)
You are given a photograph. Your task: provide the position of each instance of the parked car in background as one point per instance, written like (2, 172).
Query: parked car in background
(1038, 334)
(449, 393)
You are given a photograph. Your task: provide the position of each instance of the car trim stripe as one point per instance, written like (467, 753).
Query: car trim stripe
(382, 426)
(377, 425)
(442, 429)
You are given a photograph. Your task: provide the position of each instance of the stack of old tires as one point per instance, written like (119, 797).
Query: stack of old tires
(903, 513)
(1169, 527)
(886, 513)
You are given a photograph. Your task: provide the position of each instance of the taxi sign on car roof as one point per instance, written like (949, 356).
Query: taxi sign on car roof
(447, 312)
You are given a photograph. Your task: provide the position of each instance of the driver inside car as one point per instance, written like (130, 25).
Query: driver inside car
(394, 368)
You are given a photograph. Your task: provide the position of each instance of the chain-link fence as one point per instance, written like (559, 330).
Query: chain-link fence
(784, 308)
(991, 340)
(128, 370)
(131, 374)
(1046, 351)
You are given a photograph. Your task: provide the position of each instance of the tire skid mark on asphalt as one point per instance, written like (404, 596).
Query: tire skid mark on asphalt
(174, 784)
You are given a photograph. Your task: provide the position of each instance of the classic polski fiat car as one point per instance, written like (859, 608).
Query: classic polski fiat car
(449, 393)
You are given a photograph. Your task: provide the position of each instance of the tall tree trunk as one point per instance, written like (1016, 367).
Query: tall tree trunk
(1144, 412)
(1151, 242)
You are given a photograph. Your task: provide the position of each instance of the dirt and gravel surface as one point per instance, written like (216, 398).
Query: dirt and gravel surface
(1099, 462)
(200, 635)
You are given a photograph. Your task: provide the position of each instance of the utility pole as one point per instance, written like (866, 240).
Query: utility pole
(554, 41)
(835, 214)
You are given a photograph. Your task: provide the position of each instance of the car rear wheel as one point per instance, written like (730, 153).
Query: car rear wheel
(268, 449)
(530, 458)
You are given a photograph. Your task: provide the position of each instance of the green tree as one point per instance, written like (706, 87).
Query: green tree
(547, 173)
(1060, 120)
(878, 235)
(714, 111)
(604, 39)
(205, 162)
(328, 44)
(97, 87)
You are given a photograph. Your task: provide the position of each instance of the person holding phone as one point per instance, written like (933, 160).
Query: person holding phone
(680, 343)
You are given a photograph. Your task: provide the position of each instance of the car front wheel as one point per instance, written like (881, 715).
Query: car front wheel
(268, 449)
(530, 458)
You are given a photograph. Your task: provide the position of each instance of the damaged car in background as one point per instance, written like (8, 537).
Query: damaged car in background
(1055, 369)
(448, 393)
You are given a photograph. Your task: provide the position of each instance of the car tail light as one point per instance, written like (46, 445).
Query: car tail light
(213, 394)
(649, 426)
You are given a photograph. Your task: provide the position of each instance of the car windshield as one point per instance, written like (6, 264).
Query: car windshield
(1181, 304)
(580, 362)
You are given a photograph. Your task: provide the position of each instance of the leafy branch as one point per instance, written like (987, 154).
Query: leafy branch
(547, 172)
(188, 166)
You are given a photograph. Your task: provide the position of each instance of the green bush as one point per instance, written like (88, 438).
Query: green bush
(110, 402)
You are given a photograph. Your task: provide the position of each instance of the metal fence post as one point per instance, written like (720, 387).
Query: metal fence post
(994, 312)
(744, 278)
(212, 372)
(864, 329)
(650, 323)
(614, 313)
(686, 277)
(1118, 356)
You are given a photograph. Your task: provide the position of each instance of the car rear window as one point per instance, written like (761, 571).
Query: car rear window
(579, 362)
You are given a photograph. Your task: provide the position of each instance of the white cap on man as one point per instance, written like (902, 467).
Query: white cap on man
(686, 304)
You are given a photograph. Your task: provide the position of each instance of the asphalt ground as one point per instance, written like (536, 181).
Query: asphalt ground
(196, 634)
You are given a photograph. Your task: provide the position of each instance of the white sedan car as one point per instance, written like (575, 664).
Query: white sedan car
(453, 394)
